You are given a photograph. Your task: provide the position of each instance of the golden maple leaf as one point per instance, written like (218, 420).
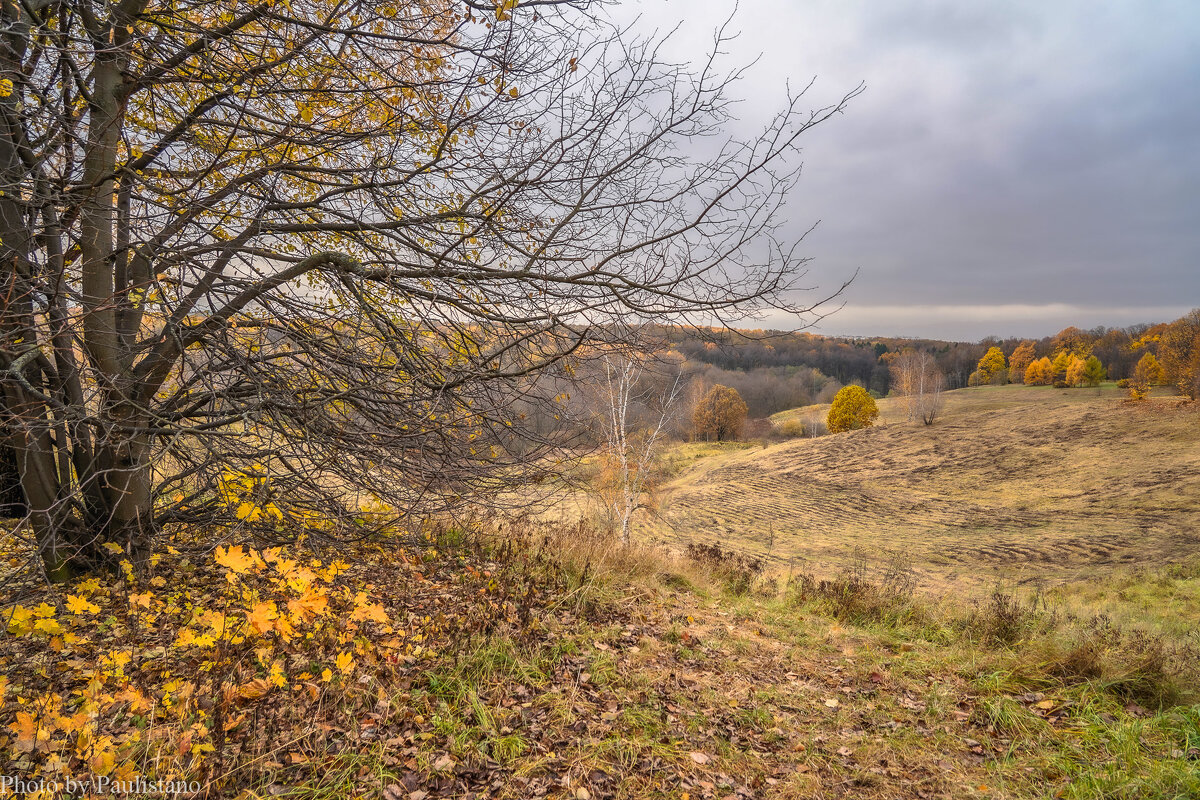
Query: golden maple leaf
(235, 558)
(261, 616)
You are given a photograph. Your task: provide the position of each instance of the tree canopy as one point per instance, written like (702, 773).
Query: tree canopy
(273, 262)
(719, 414)
(853, 408)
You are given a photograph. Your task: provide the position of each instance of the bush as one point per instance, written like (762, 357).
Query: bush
(791, 429)
(856, 596)
(851, 410)
(736, 571)
(1123, 383)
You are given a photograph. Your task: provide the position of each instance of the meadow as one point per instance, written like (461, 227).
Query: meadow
(1012, 484)
(517, 659)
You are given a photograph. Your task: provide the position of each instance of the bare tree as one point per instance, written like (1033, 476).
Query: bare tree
(629, 448)
(919, 381)
(271, 261)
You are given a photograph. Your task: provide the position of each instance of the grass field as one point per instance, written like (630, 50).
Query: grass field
(1012, 484)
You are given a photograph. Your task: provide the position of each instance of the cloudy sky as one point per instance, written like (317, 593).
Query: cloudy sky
(1012, 168)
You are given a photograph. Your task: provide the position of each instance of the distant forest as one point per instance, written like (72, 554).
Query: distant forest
(776, 370)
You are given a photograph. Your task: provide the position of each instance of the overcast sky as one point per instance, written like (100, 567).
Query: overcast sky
(1011, 169)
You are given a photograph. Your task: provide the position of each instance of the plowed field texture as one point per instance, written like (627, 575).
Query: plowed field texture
(1012, 484)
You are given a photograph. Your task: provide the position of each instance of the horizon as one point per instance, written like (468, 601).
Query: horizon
(1010, 168)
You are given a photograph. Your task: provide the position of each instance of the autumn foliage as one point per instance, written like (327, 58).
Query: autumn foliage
(1146, 374)
(1022, 356)
(225, 665)
(720, 414)
(1179, 354)
(1039, 373)
(991, 369)
(852, 408)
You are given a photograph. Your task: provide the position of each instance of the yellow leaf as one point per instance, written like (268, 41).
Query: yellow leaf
(80, 605)
(345, 663)
(50, 627)
(104, 760)
(28, 732)
(311, 605)
(113, 548)
(235, 558)
(326, 676)
(20, 622)
(6, 87)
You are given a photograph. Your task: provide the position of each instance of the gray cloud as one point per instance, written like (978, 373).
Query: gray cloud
(1006, 155)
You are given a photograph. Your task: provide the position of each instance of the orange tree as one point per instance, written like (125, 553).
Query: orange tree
(719, 414)
(1179, 354)
(325, 247)
(1022, 356)
(1039, 373)
(852, 408)
(1076, 368)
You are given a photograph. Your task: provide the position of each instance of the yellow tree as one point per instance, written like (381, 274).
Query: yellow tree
(1022, 356)
(1146, 374)
(720, 414)
(852, 408)
(346, 241)
(1060, 365)
(991, 366)
(1093, 371)
(1076, 368)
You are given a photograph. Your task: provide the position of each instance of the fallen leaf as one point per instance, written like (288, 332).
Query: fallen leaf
(255, 689)
(700, 758)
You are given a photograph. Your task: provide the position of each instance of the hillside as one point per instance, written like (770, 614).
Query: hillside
(521, 661)
(1018, 483)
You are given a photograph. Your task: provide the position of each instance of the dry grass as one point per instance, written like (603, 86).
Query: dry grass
(1015, 484)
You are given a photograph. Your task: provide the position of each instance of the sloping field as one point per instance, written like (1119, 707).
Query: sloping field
(1013, 483)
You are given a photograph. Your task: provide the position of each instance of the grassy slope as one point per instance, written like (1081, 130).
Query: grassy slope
(663, 685)
(596, 673)
(1016, 483)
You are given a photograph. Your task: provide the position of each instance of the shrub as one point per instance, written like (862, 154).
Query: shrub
(736, 571)
(852, 409)
(857, 596)
(791, 429)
